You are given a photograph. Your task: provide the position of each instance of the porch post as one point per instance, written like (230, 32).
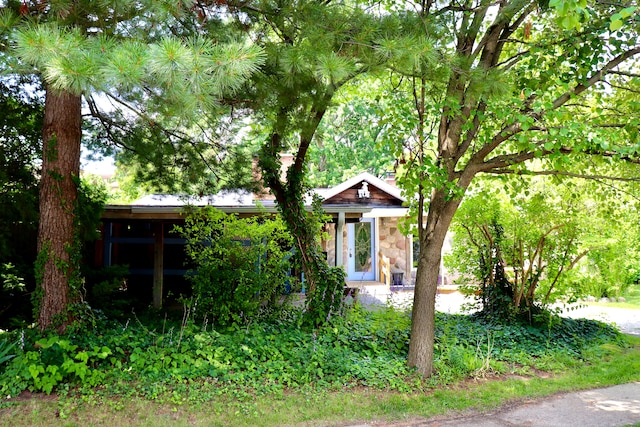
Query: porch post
(158, 264)
(107, 234)
(340, 239)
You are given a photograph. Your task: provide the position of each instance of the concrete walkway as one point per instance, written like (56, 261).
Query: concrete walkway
(606, 407)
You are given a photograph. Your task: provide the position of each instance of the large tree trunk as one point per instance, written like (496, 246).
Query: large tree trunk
(432, 236)
(423, 325)
(62, 135)
(290, 198)
(290, 192)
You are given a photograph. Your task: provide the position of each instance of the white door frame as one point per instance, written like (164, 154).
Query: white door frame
(368, 273)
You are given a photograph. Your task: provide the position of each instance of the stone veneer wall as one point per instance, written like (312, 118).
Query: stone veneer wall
(396, 246)
(329, 245)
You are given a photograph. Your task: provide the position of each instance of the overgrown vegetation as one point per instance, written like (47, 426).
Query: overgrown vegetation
(521, 254)
(181, 360)
(20, 144)
(241, 265)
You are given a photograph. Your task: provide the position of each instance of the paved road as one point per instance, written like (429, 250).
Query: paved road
(607, 407)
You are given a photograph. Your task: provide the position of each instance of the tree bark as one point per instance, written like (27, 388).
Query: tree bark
(421, 344)
(62, 133)
(423, 325)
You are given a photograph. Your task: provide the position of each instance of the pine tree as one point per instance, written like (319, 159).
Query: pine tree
(127, 48)
(313, 48)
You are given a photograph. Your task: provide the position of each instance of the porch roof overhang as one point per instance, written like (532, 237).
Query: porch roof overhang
(177, 212)
(244, 203)
(171, 212)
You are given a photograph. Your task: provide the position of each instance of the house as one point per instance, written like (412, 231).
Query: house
(364, 234)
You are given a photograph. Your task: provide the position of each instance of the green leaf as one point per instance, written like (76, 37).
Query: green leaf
(627, 12)
(36, 370)
(82, 356)
(615, 24)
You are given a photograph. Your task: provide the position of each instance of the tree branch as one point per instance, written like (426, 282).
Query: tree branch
(595, 78)
(499, 171)
(624, 73)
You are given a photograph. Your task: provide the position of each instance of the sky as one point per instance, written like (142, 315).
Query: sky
(105, 166)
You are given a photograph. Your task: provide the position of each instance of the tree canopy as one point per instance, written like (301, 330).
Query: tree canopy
(558, 241)
(498, 87)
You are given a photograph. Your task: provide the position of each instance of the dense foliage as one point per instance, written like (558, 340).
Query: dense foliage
(79, 48)
(187, 360)
(554, 242)
(20, 142)
(354, 135)
(240, 264)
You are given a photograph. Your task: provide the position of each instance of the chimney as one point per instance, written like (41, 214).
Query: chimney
(390, 178)
(286, 160)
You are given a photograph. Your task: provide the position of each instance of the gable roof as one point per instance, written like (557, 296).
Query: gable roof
(367, 177)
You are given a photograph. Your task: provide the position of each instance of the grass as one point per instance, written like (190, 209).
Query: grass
(611, 365)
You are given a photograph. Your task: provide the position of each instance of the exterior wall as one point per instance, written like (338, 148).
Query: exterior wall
(396, 246)
(329, 245)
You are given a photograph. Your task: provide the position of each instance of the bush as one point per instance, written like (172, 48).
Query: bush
(107, 290)
(241, 264)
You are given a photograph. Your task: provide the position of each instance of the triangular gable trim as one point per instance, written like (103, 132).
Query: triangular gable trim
(364, 176)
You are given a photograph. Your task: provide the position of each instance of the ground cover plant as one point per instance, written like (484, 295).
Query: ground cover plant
(181, 361)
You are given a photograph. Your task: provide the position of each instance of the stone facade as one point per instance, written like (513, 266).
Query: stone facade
(329, 245)
(396, 246)
(390, 241)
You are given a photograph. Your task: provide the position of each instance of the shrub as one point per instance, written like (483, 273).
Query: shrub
(241, 264)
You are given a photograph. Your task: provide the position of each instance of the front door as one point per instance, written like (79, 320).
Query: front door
(361, 260)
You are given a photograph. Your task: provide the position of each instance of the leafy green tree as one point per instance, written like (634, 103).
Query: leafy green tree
(496, 87)
(518, 249)
(313, 49)
(350, 138)
(82, 47)
(611, 266)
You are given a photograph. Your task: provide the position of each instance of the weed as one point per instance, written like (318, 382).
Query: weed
(5, 348)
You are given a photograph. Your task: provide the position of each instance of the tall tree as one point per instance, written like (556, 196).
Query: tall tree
(508, 85)
(81, 47)
(62, 133)
(313, 48)
(350, 139)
